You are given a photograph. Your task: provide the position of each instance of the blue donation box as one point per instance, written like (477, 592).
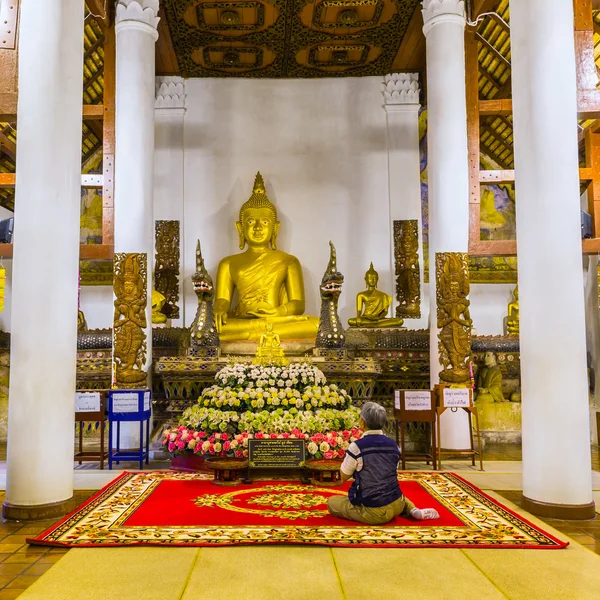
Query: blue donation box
(133, 406)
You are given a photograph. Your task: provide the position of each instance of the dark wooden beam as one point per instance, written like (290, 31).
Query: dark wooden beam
(101, 11)
(411, 54)
(8, 147)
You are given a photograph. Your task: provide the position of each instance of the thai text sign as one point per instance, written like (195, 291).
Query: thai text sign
(125, 402)
(274, 454)
(457, 397)
(87, 402)
(417, 400)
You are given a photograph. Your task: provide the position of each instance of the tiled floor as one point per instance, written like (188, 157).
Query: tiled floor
(21, 564)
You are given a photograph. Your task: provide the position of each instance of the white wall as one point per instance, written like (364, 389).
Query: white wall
(321, 147)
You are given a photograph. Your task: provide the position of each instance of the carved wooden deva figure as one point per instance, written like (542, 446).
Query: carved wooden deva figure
(130, 319)
(331, 333)
(453, 318)
(166, 270)
(512, 322)
(269, 350)
(372, 305)
(489, 381)
(268, 282)
(408, 279)
(203, 332)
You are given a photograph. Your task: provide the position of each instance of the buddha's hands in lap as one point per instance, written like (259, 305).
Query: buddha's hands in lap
(220, 320)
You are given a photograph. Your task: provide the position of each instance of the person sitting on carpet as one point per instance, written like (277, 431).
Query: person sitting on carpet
(375, 496)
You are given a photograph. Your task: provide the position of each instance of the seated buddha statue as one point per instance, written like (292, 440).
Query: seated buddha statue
(372, 305)
(158, 301)
(268, 282)
(512, 322)
(489, 381)
(269, 349)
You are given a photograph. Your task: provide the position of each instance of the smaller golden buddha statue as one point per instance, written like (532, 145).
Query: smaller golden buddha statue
(512, 321)
(489, 381)
(158, 301)
(269, 349)
(372, 305)
(81, 322)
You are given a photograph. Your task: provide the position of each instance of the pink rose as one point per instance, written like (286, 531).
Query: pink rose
(227, 446)
(245, 453)
(332, 441)
(238, 454)
(285, 436)
(328, 455)
(273, 436)
(259, 435)
(211, 449)
(341, 453)
(224, 437)
(180, 445)
(171, 446)
(202, 434)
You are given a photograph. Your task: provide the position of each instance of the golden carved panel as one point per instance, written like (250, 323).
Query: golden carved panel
(166, 266)
(408, 277)
(453, 316)
(129, 322)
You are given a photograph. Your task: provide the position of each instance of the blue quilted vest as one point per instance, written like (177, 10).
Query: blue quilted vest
(376, 484)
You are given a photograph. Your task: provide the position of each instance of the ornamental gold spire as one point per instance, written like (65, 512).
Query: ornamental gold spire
(258, 199)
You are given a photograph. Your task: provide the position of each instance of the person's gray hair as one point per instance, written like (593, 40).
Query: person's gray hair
(374, 415)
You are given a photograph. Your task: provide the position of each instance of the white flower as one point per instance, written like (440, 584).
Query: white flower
(312, 448)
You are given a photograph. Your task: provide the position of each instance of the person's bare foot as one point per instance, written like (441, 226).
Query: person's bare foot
(424, 514)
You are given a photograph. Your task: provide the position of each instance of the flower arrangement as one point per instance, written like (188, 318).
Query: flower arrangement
(248, 400)
(181, 440)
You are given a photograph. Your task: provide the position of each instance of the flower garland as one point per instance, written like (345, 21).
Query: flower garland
(182, 440)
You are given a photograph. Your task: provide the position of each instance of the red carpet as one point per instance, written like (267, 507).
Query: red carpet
(185, 509)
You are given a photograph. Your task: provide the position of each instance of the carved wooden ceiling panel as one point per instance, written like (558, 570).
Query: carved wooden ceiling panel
(287, 38)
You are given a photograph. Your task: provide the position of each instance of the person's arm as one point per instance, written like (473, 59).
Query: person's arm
(350, 462)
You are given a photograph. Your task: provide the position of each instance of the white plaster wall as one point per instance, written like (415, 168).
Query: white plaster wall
(489, 306)
(321, 147)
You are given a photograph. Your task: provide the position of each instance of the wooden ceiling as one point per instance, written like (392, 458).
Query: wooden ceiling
(285, 38)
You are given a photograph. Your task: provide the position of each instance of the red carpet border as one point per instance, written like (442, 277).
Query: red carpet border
(167, 508)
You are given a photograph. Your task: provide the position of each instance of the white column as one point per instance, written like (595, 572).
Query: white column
(401, 105)
(46, 255)
(168, 166)
(447, 167)
(136, 28)
(556, 441)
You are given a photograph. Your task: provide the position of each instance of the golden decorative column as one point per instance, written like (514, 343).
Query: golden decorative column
(406, 260)
(453, 317)
(129, 322)
(166, 266)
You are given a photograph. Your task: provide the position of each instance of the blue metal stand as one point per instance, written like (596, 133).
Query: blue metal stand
(129, 406)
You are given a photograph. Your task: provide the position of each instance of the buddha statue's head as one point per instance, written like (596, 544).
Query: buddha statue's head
(258, 225)
(371, 277)
(516, 293)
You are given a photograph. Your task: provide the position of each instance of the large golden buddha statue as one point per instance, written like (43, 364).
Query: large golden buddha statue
(268, 282)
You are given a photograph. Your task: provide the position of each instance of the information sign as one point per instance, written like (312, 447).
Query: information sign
(417, 400)
(87, 402)
(457, 398)
(275, 454)
(125, 402)
(397, 399)
(147, 400)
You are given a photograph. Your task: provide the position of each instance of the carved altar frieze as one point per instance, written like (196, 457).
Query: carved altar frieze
(144, 11)
(166, 266)
(129, 322)
(453, 317)
(408, 278)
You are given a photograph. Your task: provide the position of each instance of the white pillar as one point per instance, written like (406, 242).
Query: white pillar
(447, 166)
(46, 255)
(136, 31)
(401, 104)
(556, 441)
(136, 28)
(168, 166)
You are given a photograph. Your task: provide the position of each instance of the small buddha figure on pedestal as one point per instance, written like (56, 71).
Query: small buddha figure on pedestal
(372, 305)
(512, 322)
(158, 301)
(489, 381)
(269, 349)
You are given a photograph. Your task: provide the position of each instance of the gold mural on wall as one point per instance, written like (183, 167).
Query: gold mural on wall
(406, 259)
(453, 317)
(129, 323)
(166, 266)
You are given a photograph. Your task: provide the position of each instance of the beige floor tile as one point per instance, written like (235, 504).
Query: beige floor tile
(119, 573)
(411, 574)
(264, 573)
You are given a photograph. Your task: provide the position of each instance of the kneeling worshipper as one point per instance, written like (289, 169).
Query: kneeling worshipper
(375, 496)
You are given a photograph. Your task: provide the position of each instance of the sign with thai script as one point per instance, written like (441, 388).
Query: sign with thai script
(125, 402)
(457, 397)
(147, 400)
(397, 399)
(87, 402)
(276, 454)
(417, 400)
